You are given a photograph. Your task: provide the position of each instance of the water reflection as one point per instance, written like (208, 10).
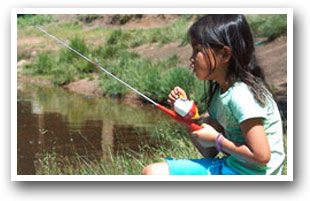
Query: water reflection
(53, 120)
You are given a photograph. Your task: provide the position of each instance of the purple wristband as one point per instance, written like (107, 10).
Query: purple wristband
(220, 143)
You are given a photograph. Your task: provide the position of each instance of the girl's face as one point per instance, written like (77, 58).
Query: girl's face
(208, 64)
(203, 66)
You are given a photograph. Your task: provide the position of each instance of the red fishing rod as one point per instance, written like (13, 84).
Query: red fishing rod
(186, 121)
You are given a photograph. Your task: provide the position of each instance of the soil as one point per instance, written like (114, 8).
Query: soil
(271, 56)
(110, 21)
(86, 86)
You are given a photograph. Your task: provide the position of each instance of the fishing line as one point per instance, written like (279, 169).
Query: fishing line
(96, 64)
(171, 113)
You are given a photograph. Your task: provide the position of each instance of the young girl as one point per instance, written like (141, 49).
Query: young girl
(244, 122)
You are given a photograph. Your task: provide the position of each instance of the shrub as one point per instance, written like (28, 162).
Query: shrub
(267, 25)
(44, 63)
(89, 18)
(77, 43)
(118, 37)
(63, 73)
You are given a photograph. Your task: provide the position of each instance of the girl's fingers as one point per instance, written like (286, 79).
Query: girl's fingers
(179, 91)
(204, 129)
(174, 94)
(176, 90)
(171, 97)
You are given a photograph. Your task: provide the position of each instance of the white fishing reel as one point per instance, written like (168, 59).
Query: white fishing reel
(186, 108)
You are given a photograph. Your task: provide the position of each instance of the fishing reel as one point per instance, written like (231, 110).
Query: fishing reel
(186, 108)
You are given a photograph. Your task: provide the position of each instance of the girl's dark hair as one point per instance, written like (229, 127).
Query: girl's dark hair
(214, 31)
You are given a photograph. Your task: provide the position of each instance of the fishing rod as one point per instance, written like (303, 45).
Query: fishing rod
(184, 120)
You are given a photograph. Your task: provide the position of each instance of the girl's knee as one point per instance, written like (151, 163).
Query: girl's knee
(156, 169)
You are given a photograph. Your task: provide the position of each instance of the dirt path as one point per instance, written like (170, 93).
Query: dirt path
(273, 59)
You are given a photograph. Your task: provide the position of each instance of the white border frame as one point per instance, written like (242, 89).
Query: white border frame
(15, 11)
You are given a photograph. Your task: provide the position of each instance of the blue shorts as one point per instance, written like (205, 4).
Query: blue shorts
(204, 166)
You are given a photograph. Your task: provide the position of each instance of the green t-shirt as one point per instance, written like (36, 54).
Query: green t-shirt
(238, 104)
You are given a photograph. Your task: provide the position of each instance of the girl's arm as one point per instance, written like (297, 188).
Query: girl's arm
(256, 148)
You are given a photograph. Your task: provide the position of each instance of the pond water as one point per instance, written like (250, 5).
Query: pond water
(51, 119)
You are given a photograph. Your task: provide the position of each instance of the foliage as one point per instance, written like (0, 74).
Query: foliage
(267, 25)
(44, 63)
(124, 18)
(89, 18)
(133, 38)
(65, 66)
(28, 20)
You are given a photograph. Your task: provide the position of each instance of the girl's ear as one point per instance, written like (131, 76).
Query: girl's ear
(226, 54)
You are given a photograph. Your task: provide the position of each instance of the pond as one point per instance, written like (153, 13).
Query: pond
(53, 120)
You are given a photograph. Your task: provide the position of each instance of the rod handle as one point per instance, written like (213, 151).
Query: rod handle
(186, 122)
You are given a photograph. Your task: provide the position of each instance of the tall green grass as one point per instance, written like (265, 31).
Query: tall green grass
(65, 66)
(133, 38)
(172, 141)
(268, 25)
(28, 20)
(153, 78)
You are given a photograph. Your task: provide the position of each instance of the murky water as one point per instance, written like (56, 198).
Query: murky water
(54, 120)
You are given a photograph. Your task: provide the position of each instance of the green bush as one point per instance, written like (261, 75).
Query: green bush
(63, 73)
(89, 18)
(268, 25)
(108, 51)
(77, 43)
(65, 66)
(153, 78)
(44, 63)
(133, 38)
(68, 56)
(124, 18)
(118, 37)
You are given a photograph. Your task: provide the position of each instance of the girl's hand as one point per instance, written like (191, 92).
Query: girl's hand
(174, 94)
(206, 136)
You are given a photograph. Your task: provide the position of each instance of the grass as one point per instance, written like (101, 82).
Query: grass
(155, 79)
(137, 37)
(63, 66)
(172, 142)
(88, 19)
(267, 25)
(28, 20)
